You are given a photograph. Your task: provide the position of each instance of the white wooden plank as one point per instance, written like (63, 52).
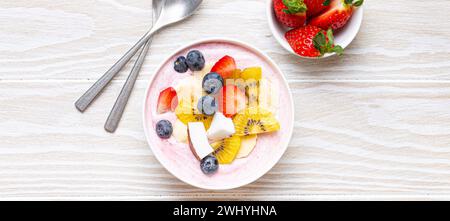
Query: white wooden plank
(82, 39)
(352, 140)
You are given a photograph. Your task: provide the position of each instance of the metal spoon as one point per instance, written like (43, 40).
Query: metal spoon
(172, 11)
(117, 111)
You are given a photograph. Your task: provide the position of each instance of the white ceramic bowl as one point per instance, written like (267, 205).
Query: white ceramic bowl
(343, 37)
(179, 160)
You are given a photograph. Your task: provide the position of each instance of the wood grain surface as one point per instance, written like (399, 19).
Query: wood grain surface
(373, 124)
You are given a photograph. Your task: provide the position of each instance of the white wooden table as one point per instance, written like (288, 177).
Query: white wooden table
(374, 124)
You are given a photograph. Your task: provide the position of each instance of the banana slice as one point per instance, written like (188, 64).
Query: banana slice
(248, 143)
(184, 90)
(180, 132)
(197, 85)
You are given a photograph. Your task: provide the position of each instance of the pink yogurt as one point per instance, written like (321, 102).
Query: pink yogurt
(178, 158)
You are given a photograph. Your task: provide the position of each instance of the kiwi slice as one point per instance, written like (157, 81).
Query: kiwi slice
(255, 120)
(252, 92)
(227, 149)
(186, 113)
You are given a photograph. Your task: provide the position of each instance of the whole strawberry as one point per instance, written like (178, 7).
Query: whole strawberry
(337, 15)
(291, 13)
(312, 41)
(315, 7)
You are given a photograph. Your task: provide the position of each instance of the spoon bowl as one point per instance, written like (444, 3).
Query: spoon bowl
(174, 11)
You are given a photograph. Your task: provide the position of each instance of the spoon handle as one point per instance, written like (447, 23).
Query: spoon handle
(84, 101)
(117, 111)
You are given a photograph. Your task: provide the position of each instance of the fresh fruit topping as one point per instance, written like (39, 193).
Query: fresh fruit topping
(185, 89)
(255, 120)
(197, 92)
(212, 83)
(198, 141)
(209, 165)
(268, 96)
(337, 15)
(315, 7)
(226, 67)
(167, 100)
(187, 113)
(311, 41)
(164, 129)
(248, 143)
(180, 132)
(195, 60)
(199, 75)
(252, 92)
(231, 100)
(180, 65)
(291, 13)
(251, 76)
(207, 105)
(227, 149)
(253, 73)
(237, 74)
(239, 83)
(221, 127)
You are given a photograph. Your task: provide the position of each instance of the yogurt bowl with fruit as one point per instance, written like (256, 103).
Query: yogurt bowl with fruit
(218, 114)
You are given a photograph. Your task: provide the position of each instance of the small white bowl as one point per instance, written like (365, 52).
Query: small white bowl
(343, 37)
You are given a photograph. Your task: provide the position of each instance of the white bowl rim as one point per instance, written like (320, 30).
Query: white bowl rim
(284, 143)
(271, 20)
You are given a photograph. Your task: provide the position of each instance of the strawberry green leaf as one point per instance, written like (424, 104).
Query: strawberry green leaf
(319, 41)
(324, 43)
(294, 6)
(358, 3)
(326, 3)
(330, 36)
(338, 50)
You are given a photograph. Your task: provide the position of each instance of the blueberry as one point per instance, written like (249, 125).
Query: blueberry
(207, 105)
(195, 60)
(212, 83)
(164, 129)
(209, 165)
(180, 65)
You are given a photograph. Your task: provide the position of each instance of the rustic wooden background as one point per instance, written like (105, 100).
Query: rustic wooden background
(374, 124)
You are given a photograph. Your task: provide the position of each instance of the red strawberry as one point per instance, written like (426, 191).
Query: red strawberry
(231, 100)
(291, 13)
(311, 41)
(337, 16)
(316, 6)
(167, 100)
(226, 67)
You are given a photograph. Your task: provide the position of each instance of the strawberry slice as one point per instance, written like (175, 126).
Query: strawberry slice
(315, 7)
(337, 15)
(312, 41)
(167, 101)
(226, 67)
(231, 100)
(290, 13)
